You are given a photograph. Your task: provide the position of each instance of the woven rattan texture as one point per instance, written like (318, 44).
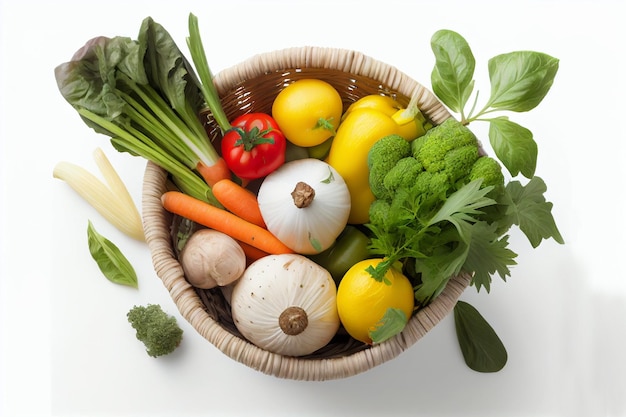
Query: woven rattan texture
(252, 86)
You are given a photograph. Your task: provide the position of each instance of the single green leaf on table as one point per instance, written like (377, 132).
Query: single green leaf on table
(390, 325)
(113, 264)
(514, 146)
(481, 347)
(452, 76)
(520, 80)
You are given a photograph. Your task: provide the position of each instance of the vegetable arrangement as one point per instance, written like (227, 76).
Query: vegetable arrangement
(376, 213)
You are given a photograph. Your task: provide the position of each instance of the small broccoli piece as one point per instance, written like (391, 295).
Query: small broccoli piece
(402, 175)
(490, 171)
(460, 161)
(450, 147)
(158, 331)
(434, 184)
(417, 144)
(379, 212)
(383, 155)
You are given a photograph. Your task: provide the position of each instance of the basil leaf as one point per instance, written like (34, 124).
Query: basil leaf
(520, 80)
(482, 349)
(390, 325)
(113, 264)
(514, 146)
(452, 75)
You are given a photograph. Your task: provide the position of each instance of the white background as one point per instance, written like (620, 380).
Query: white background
(66, 348)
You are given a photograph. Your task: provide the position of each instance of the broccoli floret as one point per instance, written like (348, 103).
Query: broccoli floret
(417, 144)
(402, 175)
(450, 147)
(490, 171)
(158, 331)
(431, 184)
(379, 212)
(383, 155)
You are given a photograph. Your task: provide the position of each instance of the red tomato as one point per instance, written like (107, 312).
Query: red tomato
(254, 147)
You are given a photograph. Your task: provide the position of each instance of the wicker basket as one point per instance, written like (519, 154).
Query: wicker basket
(252, 86)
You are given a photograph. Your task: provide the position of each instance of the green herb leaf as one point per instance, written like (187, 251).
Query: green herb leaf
(390, 325)
(113, 264)
(463, 203)
(520, 80)
(488, 254)
(315, 243)
(436, 270)
(452, 76)
(514, 146)
(528, 208)
(482, 349)
(330, 177)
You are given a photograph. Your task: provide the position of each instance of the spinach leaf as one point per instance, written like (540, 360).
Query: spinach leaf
(514, 146)
(452, 76)
(520, 80)
(89, 80)
(482, 349)
(169, 72)
(113, 264)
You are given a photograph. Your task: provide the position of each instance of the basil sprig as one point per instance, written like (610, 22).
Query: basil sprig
(519, 82)
(111, 261)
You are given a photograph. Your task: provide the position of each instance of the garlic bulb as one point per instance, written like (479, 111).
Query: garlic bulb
(286, 304)
(305, 204)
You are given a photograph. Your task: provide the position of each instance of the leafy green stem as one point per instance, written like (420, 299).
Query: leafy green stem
(198, 55)
(138, 144)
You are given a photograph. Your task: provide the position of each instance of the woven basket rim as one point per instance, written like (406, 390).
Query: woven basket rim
(157, 230)
(339, 59)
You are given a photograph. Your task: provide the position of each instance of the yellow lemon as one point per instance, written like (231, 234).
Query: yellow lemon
(362, 301)
(308, 111)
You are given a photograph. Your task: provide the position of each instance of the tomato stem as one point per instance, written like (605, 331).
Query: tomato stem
(251, 138)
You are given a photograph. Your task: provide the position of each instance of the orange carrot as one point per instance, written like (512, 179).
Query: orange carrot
(252, 253)
(216, 218)
(239, 201)
(214, 173)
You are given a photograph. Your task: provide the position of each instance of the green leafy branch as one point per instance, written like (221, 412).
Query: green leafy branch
(519, 82)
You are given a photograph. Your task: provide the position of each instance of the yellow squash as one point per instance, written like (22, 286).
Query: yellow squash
(359, 130)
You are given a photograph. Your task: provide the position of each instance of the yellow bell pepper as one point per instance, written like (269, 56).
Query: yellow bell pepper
(365, 122)
(410, 120)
